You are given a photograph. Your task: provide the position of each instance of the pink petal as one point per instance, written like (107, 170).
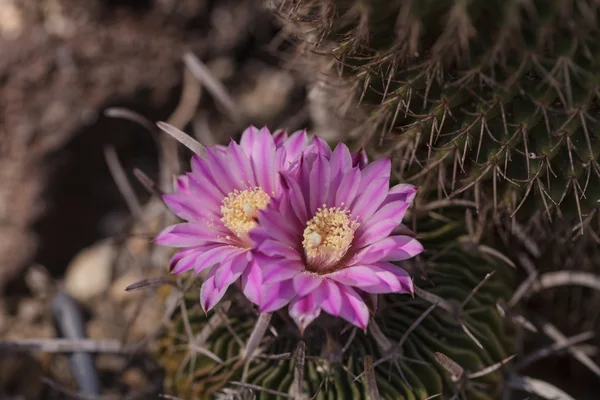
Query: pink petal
(320, 180)
(252, 282)
(370, 198)
(280, 270)
(331, 297)
(294, 146)
(209, 294)
(263, 160)
(381, 224)
(279, 137)
(202, 188)
(241, 164)
(378, 169)
(348, 188)
(185, 235)
(401, 192)
(218, 254)
(360, 159)
(276, 296)
(272, 223)
(388, 278)
(219, 165)
(391, 248)
(189, 207)
(354, 309)
(358, 275)
(304, 310)
(341, 163)
(297, 201)
(275, 248)
(181, 184)
(304, 283)
(321, 147)
(401, 283)
(229, 271)
(248, 138)
(184, 260)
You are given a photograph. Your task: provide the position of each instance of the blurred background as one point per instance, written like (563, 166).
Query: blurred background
(82, 84)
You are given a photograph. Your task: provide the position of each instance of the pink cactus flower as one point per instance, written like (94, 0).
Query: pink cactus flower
(220, 200)
(329, 239)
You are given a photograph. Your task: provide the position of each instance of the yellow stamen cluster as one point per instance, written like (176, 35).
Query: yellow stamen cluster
(327, 237)
(240, 209)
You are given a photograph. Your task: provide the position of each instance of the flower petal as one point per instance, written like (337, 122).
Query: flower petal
(391, 248)
(401, 283)
(358, 275)
(304, 310)
(381, 224)
(263, 160)
(305, 283)
(229, 271)
(280, 136)
(280, 270)
(370, 198)
(360, 159)
(346, 192)
(209, 294)
(186, 234)
(401, 192)
(354, 309)
(294, 146)
(274, 248)
(276, 296)
(377, 169)
(320, 181)
(218, 254)
(184, 260)
(331, 297)
(252, 282)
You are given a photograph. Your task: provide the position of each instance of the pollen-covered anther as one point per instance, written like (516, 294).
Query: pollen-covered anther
(327, 238)
(240, 209)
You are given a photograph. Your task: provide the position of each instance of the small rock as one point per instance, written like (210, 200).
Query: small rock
(89, 273)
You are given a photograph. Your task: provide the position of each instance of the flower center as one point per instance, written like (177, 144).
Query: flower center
(327, 238)
(240, 209)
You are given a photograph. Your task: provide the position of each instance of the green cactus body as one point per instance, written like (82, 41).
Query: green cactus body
(495, 96)
(331, 364)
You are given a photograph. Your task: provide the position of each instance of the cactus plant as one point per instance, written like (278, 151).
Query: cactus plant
(203, 353)
(472, 98)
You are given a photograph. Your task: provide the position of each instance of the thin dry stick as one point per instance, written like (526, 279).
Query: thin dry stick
(149, 283)
(148, 183)
(216, 88)
(118, 112)
(63, 345)
(536, 386)
(370, 381)
(580, 356)
(261, 389)
(549, 350)
(299, 371)
(491, 368)
(120, 178)
(183, 114)
(182, 137)
(562, 278)
(264, 319)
